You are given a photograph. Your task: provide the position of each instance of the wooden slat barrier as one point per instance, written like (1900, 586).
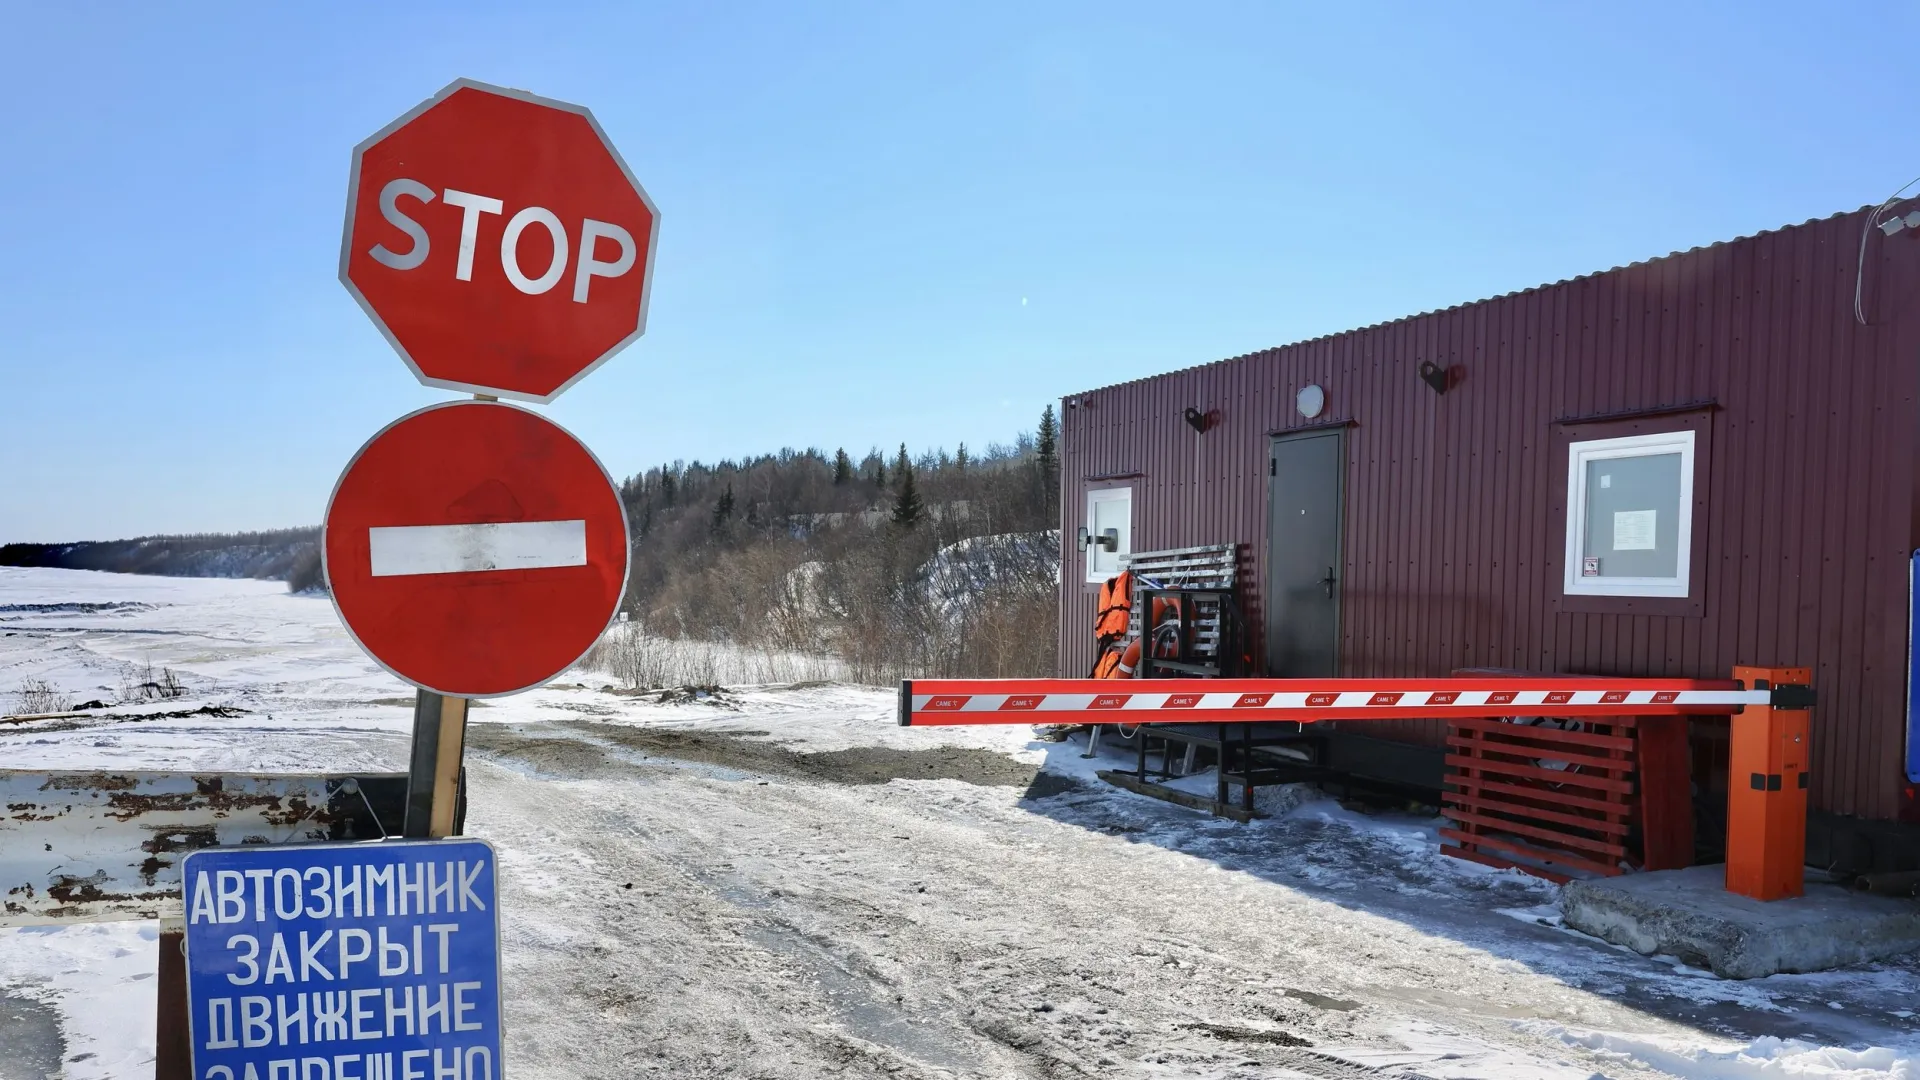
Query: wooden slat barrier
(1524, 819)
(1618, 793)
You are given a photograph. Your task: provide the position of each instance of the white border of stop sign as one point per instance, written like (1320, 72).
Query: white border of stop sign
(472, 206)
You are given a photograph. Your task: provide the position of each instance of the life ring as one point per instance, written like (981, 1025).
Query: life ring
(1166, 646)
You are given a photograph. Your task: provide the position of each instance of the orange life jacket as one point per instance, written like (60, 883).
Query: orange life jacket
(1110, 622)
(1115, 657)
(1115, 607)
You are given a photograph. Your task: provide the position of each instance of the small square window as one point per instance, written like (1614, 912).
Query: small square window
(1109, 531)
(1630, 516)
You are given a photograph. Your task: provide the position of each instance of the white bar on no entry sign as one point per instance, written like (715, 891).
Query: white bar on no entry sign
(462, 549)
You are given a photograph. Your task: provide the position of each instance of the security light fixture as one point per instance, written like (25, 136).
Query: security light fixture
(1435, 375)
(1196, 419)
(1893, 225)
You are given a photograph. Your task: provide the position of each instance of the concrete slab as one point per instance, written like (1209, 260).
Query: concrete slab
(1689, 914)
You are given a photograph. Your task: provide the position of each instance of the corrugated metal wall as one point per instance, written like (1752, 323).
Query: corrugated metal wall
(1453, 538)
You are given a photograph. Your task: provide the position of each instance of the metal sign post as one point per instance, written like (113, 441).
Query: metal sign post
(433, 776)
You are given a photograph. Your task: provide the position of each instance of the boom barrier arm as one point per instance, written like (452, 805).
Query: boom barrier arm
(1769, 759)
(939, 702)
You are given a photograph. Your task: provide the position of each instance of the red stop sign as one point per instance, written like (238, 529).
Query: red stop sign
(475, 549)
(498, 241)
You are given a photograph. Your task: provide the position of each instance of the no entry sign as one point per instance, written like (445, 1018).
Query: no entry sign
(475, 549)
(498, 241)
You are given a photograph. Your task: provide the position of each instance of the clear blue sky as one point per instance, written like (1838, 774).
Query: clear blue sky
(880, 221)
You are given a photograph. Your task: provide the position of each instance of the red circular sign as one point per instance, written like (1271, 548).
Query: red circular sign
(498, 241)
(475, 549)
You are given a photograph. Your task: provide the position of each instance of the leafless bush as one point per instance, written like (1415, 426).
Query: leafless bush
(37, 696)
(143, 684)
(649, 661)
(308, 574)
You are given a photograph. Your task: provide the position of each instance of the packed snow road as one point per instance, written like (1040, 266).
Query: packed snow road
(777, 882)
(698, 920)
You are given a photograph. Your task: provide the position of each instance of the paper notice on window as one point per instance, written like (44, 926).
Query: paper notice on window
(1633, 530)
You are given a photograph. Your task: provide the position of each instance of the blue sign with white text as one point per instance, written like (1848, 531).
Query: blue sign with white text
(370, 961)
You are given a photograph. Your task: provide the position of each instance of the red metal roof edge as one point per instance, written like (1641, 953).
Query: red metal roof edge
(1484, 300)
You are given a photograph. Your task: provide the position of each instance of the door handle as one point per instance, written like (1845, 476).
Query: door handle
(1327, 582)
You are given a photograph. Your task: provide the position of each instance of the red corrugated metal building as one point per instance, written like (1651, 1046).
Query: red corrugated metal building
(1740, 457)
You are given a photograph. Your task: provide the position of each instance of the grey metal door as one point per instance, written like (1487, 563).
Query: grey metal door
(1304, 565)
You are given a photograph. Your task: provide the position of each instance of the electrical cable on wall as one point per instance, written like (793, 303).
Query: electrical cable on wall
(1860, 270)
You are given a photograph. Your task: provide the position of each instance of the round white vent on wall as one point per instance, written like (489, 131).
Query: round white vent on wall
(1311, 399)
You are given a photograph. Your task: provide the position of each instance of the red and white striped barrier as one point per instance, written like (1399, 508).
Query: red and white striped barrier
(930, 702)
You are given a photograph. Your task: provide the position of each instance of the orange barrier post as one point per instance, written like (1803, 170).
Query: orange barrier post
(1767, 789)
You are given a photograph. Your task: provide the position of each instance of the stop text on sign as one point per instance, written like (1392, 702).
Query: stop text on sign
(498, 241)
(586, 239)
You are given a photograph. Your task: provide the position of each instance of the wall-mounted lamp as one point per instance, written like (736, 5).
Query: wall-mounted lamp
(1894, 224)
(1196, 419)
(1076, 402)
(1436, 376)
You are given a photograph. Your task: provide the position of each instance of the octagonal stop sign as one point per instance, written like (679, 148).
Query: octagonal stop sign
(498, 241)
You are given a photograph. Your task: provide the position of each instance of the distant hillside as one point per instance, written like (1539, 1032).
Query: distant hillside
(940, 564)
(276, 554)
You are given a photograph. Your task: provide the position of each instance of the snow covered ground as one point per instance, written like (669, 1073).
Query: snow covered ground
(779, 882)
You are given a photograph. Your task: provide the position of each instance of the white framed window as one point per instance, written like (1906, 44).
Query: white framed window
(1109, 531)
(1630, 516)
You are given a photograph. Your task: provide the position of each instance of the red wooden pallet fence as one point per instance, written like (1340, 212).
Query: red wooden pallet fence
(1616, 793)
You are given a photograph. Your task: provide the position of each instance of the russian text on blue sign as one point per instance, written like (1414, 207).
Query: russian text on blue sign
(372, 961)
